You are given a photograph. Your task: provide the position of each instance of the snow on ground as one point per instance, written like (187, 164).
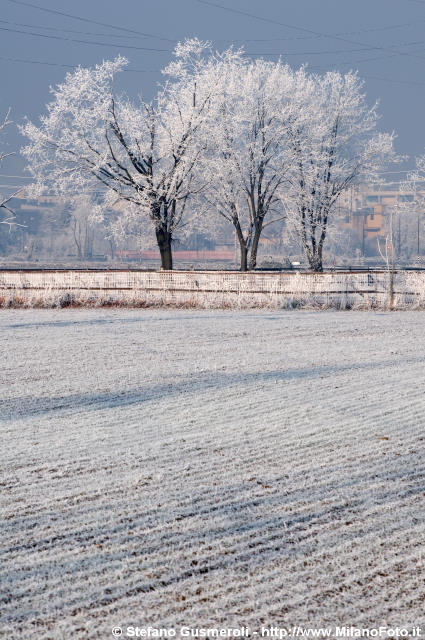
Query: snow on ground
(204, 468)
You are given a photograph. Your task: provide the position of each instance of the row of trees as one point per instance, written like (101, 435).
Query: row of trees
(226, 138)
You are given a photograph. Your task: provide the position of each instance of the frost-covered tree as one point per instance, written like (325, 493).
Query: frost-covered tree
(246, 158)
(81, 214)
(333, 144)
(412, 205)
(251, 140)
(143, 153)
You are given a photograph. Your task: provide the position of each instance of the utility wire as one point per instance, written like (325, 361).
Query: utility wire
(149, 35)
(102, 44)
(69, 66)
(288, 39)
(365, 46)
(316, 67)
(305, 30)
(415, 43)
(252, 53)
(412, 82)
(341, 33)
(83, 33)
(312, 34)
(124, 46)
(369, 77)
(102, 24)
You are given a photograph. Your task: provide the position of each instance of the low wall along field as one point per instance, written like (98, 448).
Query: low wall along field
(211, 289)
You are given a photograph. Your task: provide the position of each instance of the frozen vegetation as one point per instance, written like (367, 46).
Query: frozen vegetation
(203, 468)
(226, 141)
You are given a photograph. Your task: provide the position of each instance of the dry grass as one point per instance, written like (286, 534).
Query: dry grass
(83, 299)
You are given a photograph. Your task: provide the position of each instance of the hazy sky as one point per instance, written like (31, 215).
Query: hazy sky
(383, 39)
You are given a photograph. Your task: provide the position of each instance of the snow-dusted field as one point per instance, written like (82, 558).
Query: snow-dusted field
(171, 468)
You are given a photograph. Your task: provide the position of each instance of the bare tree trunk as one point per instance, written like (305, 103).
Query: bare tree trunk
(164, 240)
(244, 257)
(316, 264)
(112, 247)
(88, 241)
(391, 291)
(242, 244)
(314, 257)
(391, 300)
(319, 259)
(255, 243)
(76, 233)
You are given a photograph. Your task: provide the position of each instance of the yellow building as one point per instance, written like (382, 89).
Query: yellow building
(368, 214)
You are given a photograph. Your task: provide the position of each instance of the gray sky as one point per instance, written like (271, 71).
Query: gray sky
(383, 39)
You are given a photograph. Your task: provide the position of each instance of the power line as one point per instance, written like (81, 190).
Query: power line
(123, 46)
(370, 48)
(62, 30)
(360, 61)
(305, 30)
(313, 34)
(288, 39)
(252, 53)
(350, 63)
(316, 67)
(107, 44)
(365, 47)
(149, 35)
(307, 53)
(102, 24)
(69, 66)
(374, 29)
(10, 186)
(411, 82)
(368, 77)
(318, 37)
